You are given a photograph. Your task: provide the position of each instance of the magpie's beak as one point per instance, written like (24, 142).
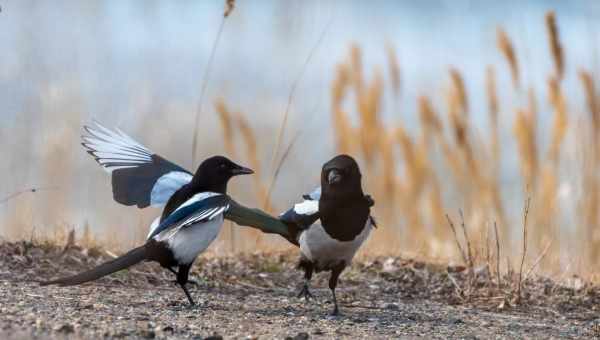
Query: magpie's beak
(240, 170)
(334, 176)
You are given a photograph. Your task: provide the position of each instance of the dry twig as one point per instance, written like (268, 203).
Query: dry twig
(460, 248)
(24, 191)
(538, 260)
(499, 276)
(525, 215)
(229, 4)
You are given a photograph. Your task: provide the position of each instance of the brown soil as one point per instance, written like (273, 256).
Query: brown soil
(253, 296)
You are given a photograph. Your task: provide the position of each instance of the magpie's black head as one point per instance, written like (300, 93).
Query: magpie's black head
(214, 173)
(340, 177)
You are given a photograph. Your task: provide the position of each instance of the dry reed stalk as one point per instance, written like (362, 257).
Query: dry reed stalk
(394, 69)
(498, 275)
(225, 119)
(370, 126)
(470, 256)
(436, 209)
(284, 156)
(524, 253)
(458, 245)
(356, 70)
(459, 91)
(506, 48)
(555, 45)
(430, 122)
(340, 120)
(492, 95)
(388, 167)
(538, 260)
(229, 4)
(414, 164)
(283, 125)
(524, 128)
(251, 152)
(493, 109)
(560, 119)
(591, 99)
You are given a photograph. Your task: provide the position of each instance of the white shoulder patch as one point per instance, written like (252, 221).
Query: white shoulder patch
(307, 207)
(166, 186)
(153, 226)
(197, 198)
(315, 194)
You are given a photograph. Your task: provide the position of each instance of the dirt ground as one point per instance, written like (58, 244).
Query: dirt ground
(253, 296)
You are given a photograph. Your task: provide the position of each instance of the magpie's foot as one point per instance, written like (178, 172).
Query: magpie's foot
(305, 292)
(193, 306)
(192, 282)
(335, 313)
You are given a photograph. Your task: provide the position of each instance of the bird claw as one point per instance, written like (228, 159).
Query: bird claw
(305, 292)
(192, 282)
(335, 313)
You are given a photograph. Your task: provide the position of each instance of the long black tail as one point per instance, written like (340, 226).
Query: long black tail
(132, 257)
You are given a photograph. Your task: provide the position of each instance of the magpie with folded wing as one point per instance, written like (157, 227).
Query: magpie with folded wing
(331, 223)
(191, 220)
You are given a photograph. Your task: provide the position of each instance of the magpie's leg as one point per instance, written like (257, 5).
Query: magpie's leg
(308, 271)
(182, 279)
(193, 282)
(333, 280)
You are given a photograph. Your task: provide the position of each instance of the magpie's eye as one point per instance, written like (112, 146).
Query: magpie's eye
(223, 166)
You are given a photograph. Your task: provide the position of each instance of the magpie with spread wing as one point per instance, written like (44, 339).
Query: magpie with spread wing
(331, 223)
(192, 217)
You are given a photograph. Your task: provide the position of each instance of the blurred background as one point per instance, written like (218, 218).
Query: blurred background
(448, 105)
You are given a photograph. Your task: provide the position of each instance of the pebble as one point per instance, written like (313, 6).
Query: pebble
(64, 328)
(299, 336)
(391, 306)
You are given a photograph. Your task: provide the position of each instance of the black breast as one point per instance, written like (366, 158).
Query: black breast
(344, 220)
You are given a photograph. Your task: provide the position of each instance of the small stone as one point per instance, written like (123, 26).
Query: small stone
(64, 328)
(299, 336)
(455, 321)
(317, 331)
(214, 337)
(147, 334)
(391, 306)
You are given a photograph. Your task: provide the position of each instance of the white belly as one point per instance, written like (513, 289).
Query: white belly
(187, 243)
(317, 246)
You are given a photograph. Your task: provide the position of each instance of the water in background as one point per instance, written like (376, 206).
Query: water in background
(138, 65)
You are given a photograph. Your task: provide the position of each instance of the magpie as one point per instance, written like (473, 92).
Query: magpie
(142, 178)
(331, 223)
(191, 219)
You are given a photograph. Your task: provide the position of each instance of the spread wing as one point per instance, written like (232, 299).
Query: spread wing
(200, 208)
(303, 214)
(139, 176)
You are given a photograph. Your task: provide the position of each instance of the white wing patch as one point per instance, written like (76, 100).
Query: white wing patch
(205, 215)
(315, 195)
(153, 226)
(307, 207)
(114, 149)
(166, 186)
(198, 197)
